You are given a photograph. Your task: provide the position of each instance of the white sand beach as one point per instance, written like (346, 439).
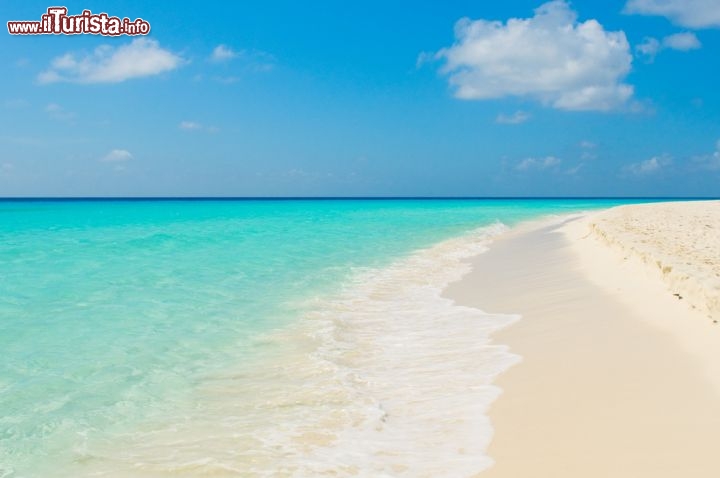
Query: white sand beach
(620, 371)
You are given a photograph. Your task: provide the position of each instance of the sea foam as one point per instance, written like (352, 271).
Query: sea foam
(386, 378)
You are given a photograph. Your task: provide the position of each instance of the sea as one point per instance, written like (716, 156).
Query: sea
(250, 338)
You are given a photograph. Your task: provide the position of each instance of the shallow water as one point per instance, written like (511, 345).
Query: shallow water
(247, 338)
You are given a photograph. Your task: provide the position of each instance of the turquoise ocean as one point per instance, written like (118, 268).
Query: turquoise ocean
(153, 338)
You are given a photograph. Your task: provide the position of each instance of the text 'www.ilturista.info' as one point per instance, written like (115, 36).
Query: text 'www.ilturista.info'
(57, 22)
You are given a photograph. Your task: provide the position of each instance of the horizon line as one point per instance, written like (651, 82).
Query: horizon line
(324, 198)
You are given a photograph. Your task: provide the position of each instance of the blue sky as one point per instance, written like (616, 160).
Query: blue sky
(285, 98)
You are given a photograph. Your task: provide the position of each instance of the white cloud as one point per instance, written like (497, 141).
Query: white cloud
(649, 48)
(686, 13)
(515, 118)
(550, 57)
(649, 166)
(139, 58)
(117, 156)
(253, 61)
(683, 41)
(57, 112)
(538, 163)
(588, 150)
(222, 53)
(574, 170)
(710, 162)
(195, 126)
(424, 57)
(189, 125)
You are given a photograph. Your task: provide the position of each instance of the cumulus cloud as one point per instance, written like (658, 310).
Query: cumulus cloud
(515, 118)
(222, 53)
(117, 156)
(139, 58)
(648, 166)
(686, 13)
(683, 41)
(550, 57)
(547, 162)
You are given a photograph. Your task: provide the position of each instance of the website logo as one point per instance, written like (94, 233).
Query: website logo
(57, 22)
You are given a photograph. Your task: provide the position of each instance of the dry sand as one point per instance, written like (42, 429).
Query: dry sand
(619, 378)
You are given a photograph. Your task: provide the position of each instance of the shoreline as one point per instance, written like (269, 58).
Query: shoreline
(618, 377)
